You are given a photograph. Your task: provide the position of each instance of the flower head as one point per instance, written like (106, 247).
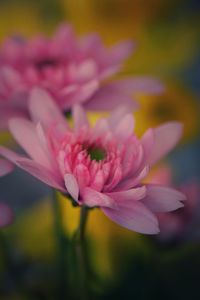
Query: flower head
(104, 166)
(72, 70)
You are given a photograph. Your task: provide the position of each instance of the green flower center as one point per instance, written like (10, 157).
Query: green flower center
(96, 153)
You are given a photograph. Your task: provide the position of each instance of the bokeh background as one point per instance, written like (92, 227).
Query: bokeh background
(124, 264)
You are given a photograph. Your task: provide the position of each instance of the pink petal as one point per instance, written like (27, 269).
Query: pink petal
(134, 216)
(163, 199)
(72, 186)
(108, 97)
(43, 109)
(79, 117)
(166, 138)
(25, 134)
(93, 198)
(5, 167)
(117, 114)
(132, 194)
(125, 127)
(34, 168)
(121, 52)
(140, 85)
(81, 94)
(6, 215)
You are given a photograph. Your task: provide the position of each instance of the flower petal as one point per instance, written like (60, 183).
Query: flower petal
(25, 134)
(163, 199)
(134, 216)
(44, 110)
(79, 117)
(71, 185)
(93, 198)
(34, 168)
(165, 139)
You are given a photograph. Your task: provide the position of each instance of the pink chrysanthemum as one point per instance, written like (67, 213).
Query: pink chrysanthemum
(104, 166)
(72, 70)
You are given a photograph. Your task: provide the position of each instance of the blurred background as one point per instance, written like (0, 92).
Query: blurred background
(123, 263)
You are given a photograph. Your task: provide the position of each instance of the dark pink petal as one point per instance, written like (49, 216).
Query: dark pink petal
(93, 198)
(6, 215)
(34, 168)
(71, 185)
(79, 117)
(134, 216)
(5, 167)
(165, 139)
(44, 110)
(163, 199)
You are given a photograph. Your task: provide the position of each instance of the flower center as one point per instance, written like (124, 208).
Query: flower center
(45, 63)
(96, 153)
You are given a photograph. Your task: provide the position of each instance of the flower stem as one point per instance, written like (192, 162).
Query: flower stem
(81, 254)
(62, 248)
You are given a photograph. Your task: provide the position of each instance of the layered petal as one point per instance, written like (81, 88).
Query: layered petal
(166, 137)
(135, 216)
(163, 199)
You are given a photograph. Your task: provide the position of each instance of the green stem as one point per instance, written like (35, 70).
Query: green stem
(62, 244)
(81, 254)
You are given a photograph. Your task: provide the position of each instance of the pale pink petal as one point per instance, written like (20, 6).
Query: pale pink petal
(44, 110)
(140, 85)
(93, 198)
(165, 139)
(121, 52)
(71, 185)
(124, 128)
(25, 134)
(80, 94)
(117, 114)
(132, 194)
(79, 117)
(5, 167)
(163, 199)
(134, 216)
(34, 168)
(133, 181)
(108, 97)
(6, 215)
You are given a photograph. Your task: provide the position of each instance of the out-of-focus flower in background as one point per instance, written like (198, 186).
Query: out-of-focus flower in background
(73, 71)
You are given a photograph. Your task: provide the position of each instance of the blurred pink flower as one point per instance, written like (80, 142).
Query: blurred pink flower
(179, 224)
(6, 215)
(103, 166)
(72, 70)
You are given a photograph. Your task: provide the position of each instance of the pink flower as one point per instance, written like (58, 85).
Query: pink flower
(72, 70)
(103, 166)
